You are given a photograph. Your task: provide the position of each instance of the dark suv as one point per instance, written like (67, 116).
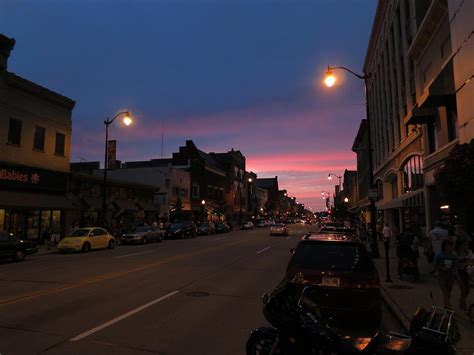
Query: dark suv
(182, 230)
(349, 289)
(15, 248)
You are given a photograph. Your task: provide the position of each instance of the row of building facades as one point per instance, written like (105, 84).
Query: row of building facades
(41, 189)
(420, 59)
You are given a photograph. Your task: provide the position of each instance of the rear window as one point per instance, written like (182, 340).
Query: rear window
(337, 256)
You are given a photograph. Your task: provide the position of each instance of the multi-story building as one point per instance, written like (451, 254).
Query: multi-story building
(273, 202)
(420, 59)
(35, 134)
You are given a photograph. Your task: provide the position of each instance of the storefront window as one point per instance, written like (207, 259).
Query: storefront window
(33, 225)
(45, 220)
(413, 174)
(2, 220)
(56, 218)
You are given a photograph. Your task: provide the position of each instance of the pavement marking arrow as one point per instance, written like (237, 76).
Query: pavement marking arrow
(123, 316)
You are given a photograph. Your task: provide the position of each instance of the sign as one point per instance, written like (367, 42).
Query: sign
(111, 154)
(29, 178)
(372, 195)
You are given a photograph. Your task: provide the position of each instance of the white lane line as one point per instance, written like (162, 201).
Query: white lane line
(123, 316)
(126, 256)
(261, 251)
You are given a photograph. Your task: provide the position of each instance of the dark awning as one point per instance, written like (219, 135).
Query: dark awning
(420, 115)
(147, 206)
(126, 205)
(441, 91)
(34, 200)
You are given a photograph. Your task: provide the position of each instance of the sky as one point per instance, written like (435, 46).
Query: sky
(242, 74)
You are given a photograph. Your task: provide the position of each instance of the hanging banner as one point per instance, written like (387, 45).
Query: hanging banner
(111, 154)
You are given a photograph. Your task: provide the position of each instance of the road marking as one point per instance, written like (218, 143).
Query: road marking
(126, 256)
(123, 316)
(261, 251)
(112, 275)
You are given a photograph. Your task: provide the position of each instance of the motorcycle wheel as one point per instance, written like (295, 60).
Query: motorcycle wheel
(261, 344)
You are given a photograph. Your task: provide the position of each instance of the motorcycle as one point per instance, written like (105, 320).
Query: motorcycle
(299, 328)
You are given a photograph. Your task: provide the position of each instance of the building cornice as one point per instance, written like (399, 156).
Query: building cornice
(374, 34)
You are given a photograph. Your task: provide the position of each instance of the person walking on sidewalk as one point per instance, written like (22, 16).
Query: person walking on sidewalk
(466, 258)
(437, 236)
(446, 265)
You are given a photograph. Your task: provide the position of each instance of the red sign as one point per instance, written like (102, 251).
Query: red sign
(31, 178)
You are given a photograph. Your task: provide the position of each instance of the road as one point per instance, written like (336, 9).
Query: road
(193, 296)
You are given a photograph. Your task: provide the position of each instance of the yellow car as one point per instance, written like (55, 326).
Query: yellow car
(85, 239)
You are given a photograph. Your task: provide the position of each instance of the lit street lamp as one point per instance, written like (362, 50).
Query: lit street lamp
(127, 120)
(330, 80)
(346, 200)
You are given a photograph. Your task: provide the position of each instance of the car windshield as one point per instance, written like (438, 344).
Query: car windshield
(142, 229)
(80, 233)
(338, 256)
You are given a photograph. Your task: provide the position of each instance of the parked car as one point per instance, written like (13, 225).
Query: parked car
(222, 227)
(206, 228)
(143, 235)
(15, 248)
(85, 239)
(182, 230)
(262, 223)
(279, 229)
(348, 283)
(248, 225)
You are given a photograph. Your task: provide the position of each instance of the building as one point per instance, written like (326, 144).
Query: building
(262, 200)
(273, 202)
(35, 131)
(208, 182)
(397, 141)
(172, 183)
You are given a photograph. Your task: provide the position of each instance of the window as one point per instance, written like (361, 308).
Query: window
(60, 141)
(413, 174)
(38, 142)
(14, 132)
(195, 189)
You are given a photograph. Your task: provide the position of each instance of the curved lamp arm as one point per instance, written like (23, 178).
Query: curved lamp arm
(109, 121)
(363, 77)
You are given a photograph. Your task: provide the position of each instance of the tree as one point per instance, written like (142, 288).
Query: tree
(455, 181)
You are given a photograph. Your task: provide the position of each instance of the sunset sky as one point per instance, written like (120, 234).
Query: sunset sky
(242, 74)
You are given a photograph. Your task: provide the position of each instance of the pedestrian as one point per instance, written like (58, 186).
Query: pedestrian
(461, 235)
(386, 234)
(446, 265)
(437, 236)
(55, 235)
(466, 259)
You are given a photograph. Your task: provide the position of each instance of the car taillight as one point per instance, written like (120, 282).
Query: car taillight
(364, 284)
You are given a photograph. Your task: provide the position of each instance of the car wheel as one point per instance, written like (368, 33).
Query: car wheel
(112, 244)
(144, 240)
(19, 255)
(86, 247)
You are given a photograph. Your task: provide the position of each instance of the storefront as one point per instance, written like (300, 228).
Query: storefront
(32, 201)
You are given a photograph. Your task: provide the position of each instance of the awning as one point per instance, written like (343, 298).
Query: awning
(441, 91)
(420, 115)
(411, 199)
(94, 202)
(147, 206)
(126, 205)
(15, 199)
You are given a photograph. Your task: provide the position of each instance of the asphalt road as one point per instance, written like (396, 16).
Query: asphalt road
(194, 296)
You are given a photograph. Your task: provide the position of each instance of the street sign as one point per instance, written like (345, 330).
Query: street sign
(372, 195)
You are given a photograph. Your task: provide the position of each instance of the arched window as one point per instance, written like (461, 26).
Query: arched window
(412, 174)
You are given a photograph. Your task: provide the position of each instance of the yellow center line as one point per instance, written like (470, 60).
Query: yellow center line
(114, 274)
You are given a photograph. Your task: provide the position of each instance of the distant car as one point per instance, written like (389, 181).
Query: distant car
(279, 229)
(262, 224)
(15, 248)
(85, 239)
(182, 229)
(222, 227)
(348, 284)
(248, 225)
(206, 228)
(143, 235)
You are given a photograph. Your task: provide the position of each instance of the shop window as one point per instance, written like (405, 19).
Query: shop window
(2, 220)
(32, 229)
(38, 142)
(60, 143)
(45, 220)
(14, 132)
(56, 218)
(413, 174)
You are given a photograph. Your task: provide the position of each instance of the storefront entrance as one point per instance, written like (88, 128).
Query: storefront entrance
(29, 224)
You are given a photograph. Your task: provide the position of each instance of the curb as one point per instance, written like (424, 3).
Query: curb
(402, 319)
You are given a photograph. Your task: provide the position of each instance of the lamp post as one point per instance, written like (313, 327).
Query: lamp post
(330, 80)
(127, 120)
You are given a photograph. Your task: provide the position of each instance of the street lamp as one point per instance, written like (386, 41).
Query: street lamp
(330, 80)
(127, 120)
(346, 200)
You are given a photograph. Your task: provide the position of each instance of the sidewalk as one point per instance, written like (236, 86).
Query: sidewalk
(404, 296)
(43, 249)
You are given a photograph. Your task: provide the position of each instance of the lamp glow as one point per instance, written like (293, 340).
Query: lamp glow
(346, 200)
(203, 202)
(445, 207)
(330, 79)
(329, 177)
(127, 120)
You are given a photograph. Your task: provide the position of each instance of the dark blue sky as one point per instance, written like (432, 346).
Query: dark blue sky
(226, 73)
